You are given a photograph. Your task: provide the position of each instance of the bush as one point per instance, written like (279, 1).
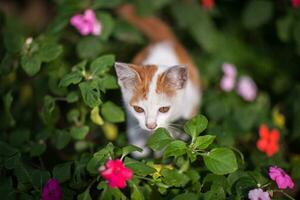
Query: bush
(62, 115)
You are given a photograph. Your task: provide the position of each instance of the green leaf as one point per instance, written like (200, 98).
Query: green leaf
(31, 64)
(138, 167)
(13, 41)
(174, 178)
(108, 82)
(90, 93)
(61, 139)
(202, 142)
(130, 148)
(62, 172)
(85, 195)
(284, 26)
(72, 97)
(89, 47)
(47, 113)
(175, 148)
(79, 133)
(99, 158)
(8, 100)
(71, 78)
(257, 13)
(159, 139)
(49, 51)
(40, 177)
(102, 64)
(220, 161)
(38, 149)
(186, 196)
(136, 193)
(112, 113)
(196, 125)
(108, 24)
(105, 3)
(7, 150)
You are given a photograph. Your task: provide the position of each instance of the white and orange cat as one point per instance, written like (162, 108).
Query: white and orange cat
(161, 85)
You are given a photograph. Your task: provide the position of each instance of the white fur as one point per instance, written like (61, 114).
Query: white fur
(182, 105)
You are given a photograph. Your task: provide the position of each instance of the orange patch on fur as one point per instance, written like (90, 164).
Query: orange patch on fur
(162, 86)
(145, 75)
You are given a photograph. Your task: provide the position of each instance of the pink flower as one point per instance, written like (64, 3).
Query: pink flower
(87, 23)
(282, 179)
(229, 70)
(228, 80)
(116, 173)
(52, 190)
(295, 3)
(258, 194)
(246, 88)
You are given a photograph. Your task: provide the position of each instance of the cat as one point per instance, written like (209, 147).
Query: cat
(161, 85)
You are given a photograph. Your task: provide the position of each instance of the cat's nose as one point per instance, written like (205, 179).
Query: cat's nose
(152, 125)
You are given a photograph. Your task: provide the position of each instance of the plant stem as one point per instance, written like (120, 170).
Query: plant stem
(286, 194)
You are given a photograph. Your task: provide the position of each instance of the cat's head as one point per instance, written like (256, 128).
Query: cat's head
(151, 93)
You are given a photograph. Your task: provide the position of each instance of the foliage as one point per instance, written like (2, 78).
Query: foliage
(62, 116)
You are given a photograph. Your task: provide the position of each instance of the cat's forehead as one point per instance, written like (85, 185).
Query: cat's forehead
(150, 83)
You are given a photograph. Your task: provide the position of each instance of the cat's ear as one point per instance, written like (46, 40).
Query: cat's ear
(176, 77)
(127, 76)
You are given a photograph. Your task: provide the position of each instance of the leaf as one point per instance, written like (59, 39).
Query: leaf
(31, 64)
(130, 148)
(105, 3)
(159, 139)
(85, 195)
(220, 161)
(108, 82)
(72, 97)
(138, 167)
(38, 149)
(108, 24)
(186, 196)
(175, 148)
(136, 193)
(196, 125)
(90, 93)
(62, 172)
(284, 26)
(95, 116)
(61, 139)
(8, 100)
(110, 131)
(7, 150)
(49, 51)
(47, 113)
(112, 113)
(202, 142)
(40, 177)
(13, 41)
(174, 178)
(102, 64)
(257, 13)
(89, 47)
(79, 133)
(71, 78)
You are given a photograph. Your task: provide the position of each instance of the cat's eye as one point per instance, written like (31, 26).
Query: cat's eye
(164, 109)
(138, 109)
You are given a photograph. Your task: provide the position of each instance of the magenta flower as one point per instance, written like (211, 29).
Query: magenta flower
(115, 173)
(228, 80)
(282, 179)
(52, 190)
(87, 23)
(258, 194)
(295, 3)
(246, 88)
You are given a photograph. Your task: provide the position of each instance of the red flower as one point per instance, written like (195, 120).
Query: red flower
(208, 4)
(295, 3)
(268, 141)
(116, 173)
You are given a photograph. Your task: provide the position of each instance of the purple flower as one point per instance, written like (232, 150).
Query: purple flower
(229, 70)
(282, 179)
(228, 80)
(87, 23)
(52, 190)
(246, 88)
(258, 194)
